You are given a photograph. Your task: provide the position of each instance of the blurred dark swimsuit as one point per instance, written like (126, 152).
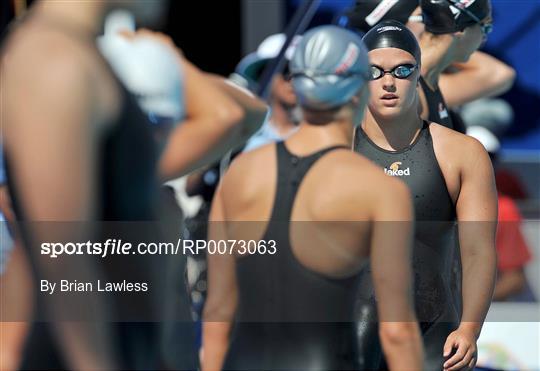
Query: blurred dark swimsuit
(129, 192)
(434, 243)
(290, 317)
(437, 110)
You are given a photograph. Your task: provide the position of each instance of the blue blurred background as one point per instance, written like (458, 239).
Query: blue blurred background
(515, 40)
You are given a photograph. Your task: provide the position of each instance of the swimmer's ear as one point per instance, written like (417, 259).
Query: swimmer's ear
(458, 34)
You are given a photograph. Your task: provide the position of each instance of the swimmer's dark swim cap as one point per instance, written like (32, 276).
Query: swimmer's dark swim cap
(449, 16)
(367, 13)
(392, 34)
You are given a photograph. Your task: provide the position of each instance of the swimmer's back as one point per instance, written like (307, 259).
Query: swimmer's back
(342, 186)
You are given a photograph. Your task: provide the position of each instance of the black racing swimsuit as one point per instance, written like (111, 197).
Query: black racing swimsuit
(437, 109)
(434, 244)
(129, 191)
(290, 317)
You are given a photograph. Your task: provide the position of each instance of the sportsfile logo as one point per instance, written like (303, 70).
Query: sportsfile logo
(396, 171)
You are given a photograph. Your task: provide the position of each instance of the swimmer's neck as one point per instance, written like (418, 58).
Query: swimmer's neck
(281, 119)
(82, 16)
(393, 134)
(310, 138)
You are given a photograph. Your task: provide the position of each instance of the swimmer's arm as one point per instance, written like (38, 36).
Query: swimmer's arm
(481, 77)
(477, 216)
(16, 296)
(391, 265)
(50, 138)
(434, 48)
(221, 301)
(476, 209)
(220, 117)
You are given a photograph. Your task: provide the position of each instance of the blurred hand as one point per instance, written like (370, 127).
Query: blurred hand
(465, 357)
(154, 35)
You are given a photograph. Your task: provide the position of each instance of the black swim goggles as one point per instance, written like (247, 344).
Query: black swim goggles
(399, 72)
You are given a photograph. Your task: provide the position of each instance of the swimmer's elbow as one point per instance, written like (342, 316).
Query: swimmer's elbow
(254, 121)
(229, 116)
(506, 77)
(250, 111)
(500, 79)
(212, 313)
(242, 126)
(244, 121)
(219, 309)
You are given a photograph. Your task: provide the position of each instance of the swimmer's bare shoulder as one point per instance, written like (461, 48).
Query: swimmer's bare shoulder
(51, 68)
(250, 180)
(456, 149)
(343, 186)
(357, 189)
(52, 107)
(453, 142)
(32, 53)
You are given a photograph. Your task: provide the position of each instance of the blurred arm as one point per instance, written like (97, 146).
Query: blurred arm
(16, 296)
(391, 266)
(50, 137)
(509, 283)
(220, 117)
(221, 302)
(434, 55)
(481, 77)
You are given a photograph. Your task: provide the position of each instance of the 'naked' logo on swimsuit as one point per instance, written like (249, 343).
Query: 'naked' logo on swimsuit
(443, 113)
(396, 171)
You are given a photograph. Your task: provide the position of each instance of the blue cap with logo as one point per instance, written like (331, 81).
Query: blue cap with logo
(329, 66)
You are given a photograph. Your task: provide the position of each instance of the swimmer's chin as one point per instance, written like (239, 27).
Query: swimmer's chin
(388, 113)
